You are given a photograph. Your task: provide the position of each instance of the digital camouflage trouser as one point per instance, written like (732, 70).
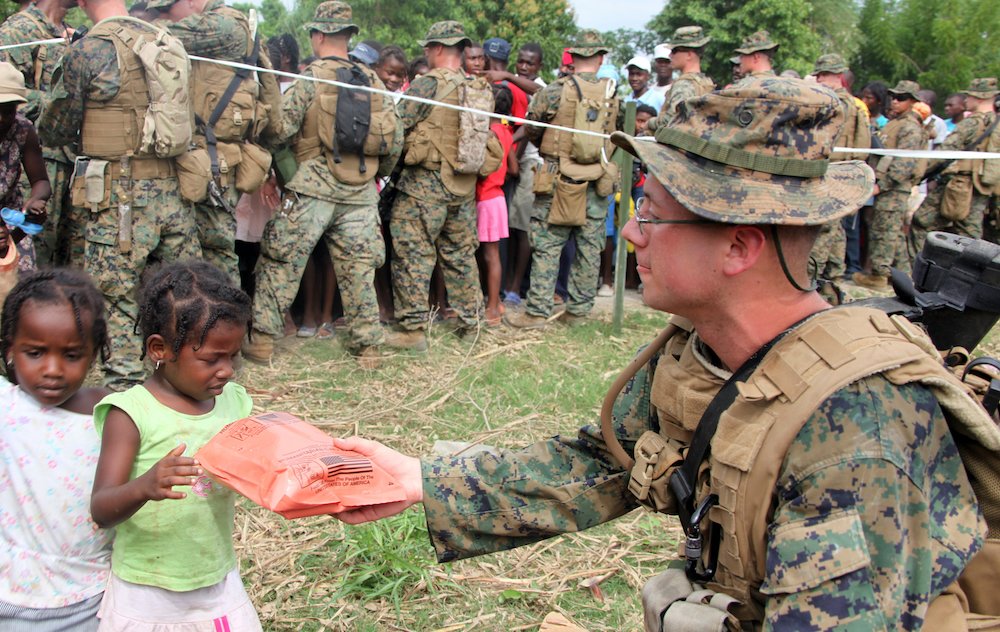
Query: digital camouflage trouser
(162, 230)
(827, 256)
(928, 218)
(887, 245)
(217, 234)
(547, 241)
(424, 230)
(356, 248)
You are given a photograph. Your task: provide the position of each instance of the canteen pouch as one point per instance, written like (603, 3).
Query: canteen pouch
(608, 182)
(956, 199)
(194, 173)
(671, 602)
(253, 169)
(545, 178)
(285, 164)
(91, 186)
(569, 203)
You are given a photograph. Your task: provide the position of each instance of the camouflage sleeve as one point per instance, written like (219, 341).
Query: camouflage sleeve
(17, 30)
(89, 71)
(410, 112)
(679, 91)
(904, 172)
(543, 107)
(967, 130)
(270, 95)
(875, 514)
(493, 502)
(295, 103)
(388, 163)
(210, 34)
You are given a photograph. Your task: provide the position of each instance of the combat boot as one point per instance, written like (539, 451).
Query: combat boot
(404, 339)
(369, 358)
(524, 320)
(258, 347)
(572, 320)
(870, 281)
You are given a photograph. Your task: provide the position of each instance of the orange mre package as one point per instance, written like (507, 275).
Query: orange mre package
(290, 467)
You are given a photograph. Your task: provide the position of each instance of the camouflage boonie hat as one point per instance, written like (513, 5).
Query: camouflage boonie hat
(332, 17)
(761, 40)
(906, 89)
(689, 37)
(735, 60)
(982, 88)
(832, 63)
(449, 33)
(588, 43)
(757, 153)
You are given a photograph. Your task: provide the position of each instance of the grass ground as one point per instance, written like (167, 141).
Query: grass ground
(504, 388)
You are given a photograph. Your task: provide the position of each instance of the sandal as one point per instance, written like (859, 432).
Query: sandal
(325, 332)
(306, 332)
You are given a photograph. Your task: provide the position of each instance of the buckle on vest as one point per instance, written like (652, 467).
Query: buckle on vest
(693, 545)
(647, 453)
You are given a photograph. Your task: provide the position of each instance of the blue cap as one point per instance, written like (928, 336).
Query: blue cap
(497, 48)
(365, 54)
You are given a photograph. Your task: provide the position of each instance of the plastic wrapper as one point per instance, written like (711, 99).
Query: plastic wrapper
(288, 466)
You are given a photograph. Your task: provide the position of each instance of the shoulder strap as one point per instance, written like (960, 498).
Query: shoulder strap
(211, 143)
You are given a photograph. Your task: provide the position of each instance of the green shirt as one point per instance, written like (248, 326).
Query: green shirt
(183, 544)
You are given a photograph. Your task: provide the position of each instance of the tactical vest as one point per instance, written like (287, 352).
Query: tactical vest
(113, 129)
(315, 135)
(433, 142)
(826, 353)
(209, 82)
(890, 134)
(975, 167)
(558, 144)
(855, 132)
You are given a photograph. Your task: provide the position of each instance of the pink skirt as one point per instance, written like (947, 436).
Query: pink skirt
(491, 219)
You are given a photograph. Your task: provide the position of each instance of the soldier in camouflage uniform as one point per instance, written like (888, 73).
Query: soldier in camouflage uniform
(866, 524)
(208, 28)
(757, 56)
(327, 199)
(551, 105)
(141, 193)
(685, 57)
(63, 234)
(970, 134)
(830, 250)
(896, 177)
(434, 215)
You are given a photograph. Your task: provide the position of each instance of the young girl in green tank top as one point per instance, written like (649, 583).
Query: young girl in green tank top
(173, 564)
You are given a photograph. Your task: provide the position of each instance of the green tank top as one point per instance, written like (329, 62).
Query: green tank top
(184, 544)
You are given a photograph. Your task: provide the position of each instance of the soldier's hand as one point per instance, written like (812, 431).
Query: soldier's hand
(405, 469)
(34, 211)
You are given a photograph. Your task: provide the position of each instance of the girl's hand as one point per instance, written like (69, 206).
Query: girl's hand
(158, 483)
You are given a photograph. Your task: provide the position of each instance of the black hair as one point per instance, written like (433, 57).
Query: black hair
(533, 47)
(881, 93)
(503, 99)
(55, 286)
(283, 44)
(392, 52)
(182, 301)
(645, 107)
(411, 72)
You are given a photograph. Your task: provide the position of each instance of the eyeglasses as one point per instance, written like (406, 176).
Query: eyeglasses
(641, 219)
(899, 97)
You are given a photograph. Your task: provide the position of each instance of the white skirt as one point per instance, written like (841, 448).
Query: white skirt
(223, 607)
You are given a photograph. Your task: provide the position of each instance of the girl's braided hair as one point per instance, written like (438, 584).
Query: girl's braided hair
(182, 301)
(53, 286)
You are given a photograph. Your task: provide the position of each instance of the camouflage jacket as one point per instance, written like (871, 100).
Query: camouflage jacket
(904, 132)
(36, 63)
(89, 72)
(968, 130)
(313, 177)
(687, 86)
(905, 483)
(545, 103)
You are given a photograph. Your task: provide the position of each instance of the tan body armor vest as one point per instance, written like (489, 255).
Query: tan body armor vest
(315, 135)
(856, 132)
(975, 167)
(113, 129)
(433, 142)
(209, 82)
(558, 144)
(828, 352)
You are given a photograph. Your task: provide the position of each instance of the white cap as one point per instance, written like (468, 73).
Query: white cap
(662, 51)
(639, 62)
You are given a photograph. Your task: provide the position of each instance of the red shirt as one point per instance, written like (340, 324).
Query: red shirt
(519, 109)
(492, 185)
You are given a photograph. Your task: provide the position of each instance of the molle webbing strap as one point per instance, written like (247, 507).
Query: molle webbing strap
(717, 152)
(238, 76)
